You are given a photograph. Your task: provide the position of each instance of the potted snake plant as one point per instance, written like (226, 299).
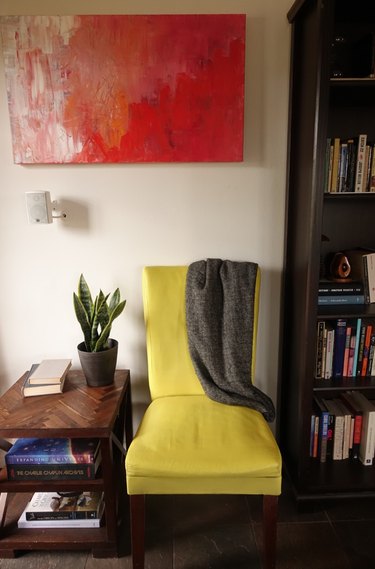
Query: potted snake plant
(98, 352)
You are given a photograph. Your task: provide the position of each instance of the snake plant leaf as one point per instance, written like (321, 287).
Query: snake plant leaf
(84, 295)
(103, 339)
(83, 320)
(115, 299)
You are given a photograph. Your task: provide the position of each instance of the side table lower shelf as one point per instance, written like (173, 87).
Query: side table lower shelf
(14, 539)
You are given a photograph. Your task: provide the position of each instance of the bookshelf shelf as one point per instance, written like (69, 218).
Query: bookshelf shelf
(320, 224)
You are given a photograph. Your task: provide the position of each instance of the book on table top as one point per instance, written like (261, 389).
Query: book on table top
(50, 371)
(55, 506)
(30, 390)
(367, 444)
(53, 451)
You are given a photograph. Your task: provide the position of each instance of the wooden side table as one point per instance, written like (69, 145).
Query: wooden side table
(79, 412)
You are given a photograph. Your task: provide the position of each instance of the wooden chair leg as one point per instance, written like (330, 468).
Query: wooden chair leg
(269, 531)
(137, 514)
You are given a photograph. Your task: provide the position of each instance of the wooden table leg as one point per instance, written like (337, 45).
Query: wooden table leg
(3, 507)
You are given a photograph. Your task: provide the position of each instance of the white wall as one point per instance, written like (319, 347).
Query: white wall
(121, 217)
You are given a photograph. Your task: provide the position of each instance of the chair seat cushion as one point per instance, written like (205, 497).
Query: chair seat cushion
(190, 444)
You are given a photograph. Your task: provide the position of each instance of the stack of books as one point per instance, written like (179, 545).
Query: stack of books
(343, 428)
(345, 292)
(46, 378)
(63, 510)
(53, 459)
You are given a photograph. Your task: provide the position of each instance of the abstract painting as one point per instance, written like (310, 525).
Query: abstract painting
(114, 89)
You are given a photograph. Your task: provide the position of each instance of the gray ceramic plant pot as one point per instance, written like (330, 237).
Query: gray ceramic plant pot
(99, 367)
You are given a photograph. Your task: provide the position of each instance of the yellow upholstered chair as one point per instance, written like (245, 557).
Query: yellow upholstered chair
(186, 442)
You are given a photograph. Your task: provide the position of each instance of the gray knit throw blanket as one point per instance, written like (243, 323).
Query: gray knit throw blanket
(220, 320)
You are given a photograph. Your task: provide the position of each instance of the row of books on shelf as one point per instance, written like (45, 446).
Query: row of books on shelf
(345, 348)
(46, 378)
(53, 459)
(343, 428)
(350, 165)
(63, 510)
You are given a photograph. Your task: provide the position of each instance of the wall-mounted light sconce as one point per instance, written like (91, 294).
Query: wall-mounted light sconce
(40, 208)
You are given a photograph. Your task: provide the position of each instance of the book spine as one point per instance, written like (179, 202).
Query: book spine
(366, 290)
(338, 437)
(39, 524)
(371, 276)
(323, 431)
(325, 290)
(359, 173)
(341, 299)
(360, 350)
(366, 350)
(371, 355)
(346, 351)
(356, 348)
(84, 515)
(338, 353)
(330, 435)
(36, 460)
(51, 472)
(343, 166)
(335, 165)
(319, 349)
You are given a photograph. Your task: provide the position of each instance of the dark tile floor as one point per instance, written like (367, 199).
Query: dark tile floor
(224, 532)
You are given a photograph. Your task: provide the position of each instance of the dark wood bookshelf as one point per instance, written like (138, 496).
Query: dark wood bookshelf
(321, 107)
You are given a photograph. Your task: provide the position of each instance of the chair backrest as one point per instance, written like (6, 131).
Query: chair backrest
(170, 368)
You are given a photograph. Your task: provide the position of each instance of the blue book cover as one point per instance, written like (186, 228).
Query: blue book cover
(339, 348)
(52, 451)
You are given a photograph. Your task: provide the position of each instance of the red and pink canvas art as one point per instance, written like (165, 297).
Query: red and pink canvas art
(101, 89)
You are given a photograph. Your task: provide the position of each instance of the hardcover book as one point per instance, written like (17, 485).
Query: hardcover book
(52, 471)
(54, 451)
(50, 371)
(30, 390)
(55, 506)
